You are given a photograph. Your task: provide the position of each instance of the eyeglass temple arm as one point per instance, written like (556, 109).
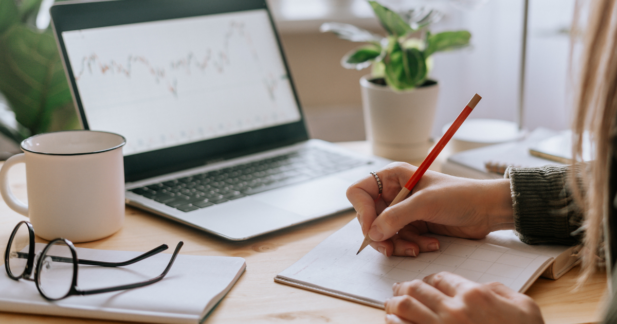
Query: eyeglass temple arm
(148, 254)
(137, 284)
(125, 263)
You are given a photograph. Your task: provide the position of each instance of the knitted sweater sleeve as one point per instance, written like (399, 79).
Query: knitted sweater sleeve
(544, 209)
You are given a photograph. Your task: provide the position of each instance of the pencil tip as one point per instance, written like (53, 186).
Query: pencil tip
(366, 242)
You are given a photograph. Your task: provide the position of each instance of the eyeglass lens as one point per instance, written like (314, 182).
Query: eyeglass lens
(55, 270)
(19, 250)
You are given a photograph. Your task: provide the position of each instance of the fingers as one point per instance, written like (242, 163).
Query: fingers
(448, 283)
(403, 247)
(408, 242)
(364, 206)
(384, 247)
(408, 309)
(394, 218)
(364, 194)
(425, 243)
(422, 292)
(524, 302)
(397, 246)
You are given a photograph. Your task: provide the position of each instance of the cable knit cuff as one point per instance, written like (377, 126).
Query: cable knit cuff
(544, 212)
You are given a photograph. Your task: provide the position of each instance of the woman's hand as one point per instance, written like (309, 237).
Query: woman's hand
(447, 298)
(439, 204)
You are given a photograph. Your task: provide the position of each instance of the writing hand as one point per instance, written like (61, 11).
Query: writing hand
(439, 204)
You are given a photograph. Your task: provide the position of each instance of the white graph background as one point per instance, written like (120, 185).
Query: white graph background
(165, 83)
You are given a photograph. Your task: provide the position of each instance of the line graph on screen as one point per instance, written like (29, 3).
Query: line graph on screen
(169, 82)
(212, 63)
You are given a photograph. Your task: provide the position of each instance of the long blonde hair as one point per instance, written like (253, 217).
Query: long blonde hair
(595, 112)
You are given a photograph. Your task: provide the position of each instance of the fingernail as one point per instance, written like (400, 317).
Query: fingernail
(433, 247)
(410, 252)
(394, 286)
(375, 234)
(382, 250)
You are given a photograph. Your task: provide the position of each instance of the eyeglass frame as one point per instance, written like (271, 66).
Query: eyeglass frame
(74, 291)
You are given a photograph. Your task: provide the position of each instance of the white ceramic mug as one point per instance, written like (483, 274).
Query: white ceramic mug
(75, 184)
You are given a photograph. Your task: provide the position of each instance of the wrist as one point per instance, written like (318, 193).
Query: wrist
(499, 210)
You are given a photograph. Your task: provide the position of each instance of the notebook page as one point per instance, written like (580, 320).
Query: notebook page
(565, 256)
(334, 266)
(510, 240)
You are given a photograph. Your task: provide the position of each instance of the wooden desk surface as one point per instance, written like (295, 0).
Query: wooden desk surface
(256, 298)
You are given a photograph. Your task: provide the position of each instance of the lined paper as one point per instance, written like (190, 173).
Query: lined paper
(334, 268)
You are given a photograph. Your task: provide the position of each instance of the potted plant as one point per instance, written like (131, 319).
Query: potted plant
(399, 100)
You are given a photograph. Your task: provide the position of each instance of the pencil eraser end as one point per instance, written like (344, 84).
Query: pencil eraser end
(474, 101)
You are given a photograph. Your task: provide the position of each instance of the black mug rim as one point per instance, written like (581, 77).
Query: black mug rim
(73, 154)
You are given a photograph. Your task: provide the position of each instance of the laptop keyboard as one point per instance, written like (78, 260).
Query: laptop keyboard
(219, 186)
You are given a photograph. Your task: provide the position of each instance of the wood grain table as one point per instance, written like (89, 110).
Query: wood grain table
(256, 298)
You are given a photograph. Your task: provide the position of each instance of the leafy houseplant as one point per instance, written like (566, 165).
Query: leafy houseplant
(31, 75)
(401, 59)
(399, 117)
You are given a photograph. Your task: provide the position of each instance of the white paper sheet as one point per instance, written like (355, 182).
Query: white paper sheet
(334, 268)
(190, 290)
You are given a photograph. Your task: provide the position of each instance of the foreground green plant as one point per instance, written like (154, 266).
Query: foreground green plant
(400, 58)
(31, 75)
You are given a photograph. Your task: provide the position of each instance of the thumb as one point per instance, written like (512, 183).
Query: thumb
(392, 219)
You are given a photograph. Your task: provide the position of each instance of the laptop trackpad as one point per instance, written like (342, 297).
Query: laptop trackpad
(311, 199)
(243, 219)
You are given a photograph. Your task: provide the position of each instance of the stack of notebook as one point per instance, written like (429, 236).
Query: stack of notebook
(191, 289)
(333, 268)
(471, 163)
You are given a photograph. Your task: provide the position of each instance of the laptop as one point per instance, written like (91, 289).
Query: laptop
(201, 91)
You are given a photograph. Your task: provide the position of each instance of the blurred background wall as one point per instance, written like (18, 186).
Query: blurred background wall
(330, 94)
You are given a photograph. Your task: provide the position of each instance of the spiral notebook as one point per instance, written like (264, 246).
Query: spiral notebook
(191, 289)
(333, 268)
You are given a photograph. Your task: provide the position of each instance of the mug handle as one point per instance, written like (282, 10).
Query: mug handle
(6, 192)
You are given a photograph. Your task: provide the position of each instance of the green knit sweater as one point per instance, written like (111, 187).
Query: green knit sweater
(545, 212)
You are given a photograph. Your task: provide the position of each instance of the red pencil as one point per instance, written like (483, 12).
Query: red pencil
(430, 158)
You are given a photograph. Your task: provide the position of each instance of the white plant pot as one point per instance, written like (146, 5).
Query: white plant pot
(398, 124)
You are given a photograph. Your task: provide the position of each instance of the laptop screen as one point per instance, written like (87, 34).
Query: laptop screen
(171, 82)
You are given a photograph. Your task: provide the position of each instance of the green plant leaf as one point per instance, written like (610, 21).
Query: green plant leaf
(9, 15)
(364, 54)
(361, 58)
(413, 43)
(416, 58)
(405, 68)
(33, 80)
(446, 41)
(378, 70)
(390, 20)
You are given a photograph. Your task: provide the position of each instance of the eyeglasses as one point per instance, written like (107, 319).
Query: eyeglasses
(57, 265)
